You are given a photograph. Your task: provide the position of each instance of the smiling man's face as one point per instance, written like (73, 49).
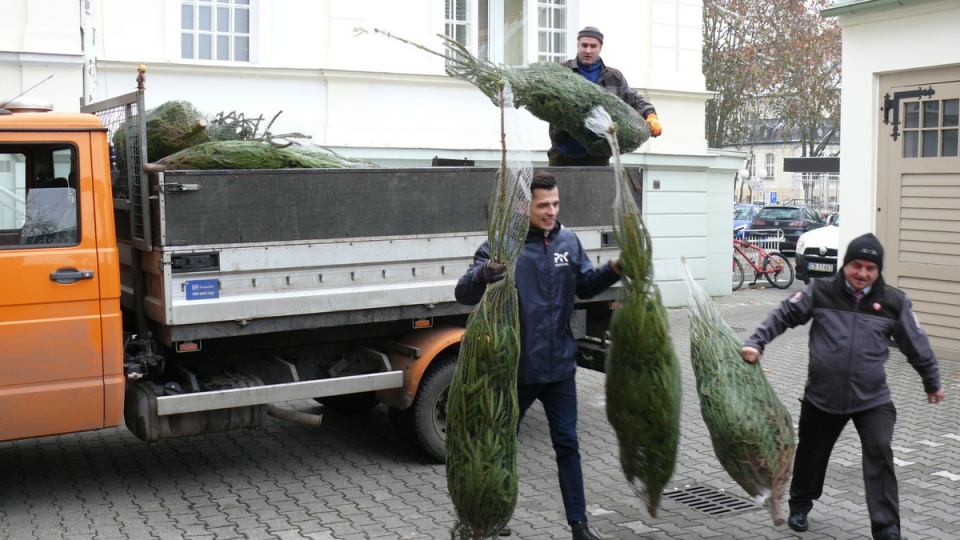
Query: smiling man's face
(544, 208)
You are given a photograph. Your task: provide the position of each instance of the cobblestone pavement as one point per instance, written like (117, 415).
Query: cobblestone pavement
(354, 479)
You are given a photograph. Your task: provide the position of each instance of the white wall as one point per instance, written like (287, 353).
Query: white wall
(372, 97)
(874, 43)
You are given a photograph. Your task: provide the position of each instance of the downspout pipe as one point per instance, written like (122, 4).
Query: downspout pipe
(88, 39)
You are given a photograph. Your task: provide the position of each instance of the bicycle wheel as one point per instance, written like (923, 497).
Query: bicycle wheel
(778, 270)
(737, 274)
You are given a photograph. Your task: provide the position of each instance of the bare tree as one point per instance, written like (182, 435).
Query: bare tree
(771, 59)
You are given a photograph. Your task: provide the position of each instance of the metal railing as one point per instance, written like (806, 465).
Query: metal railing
(766, 239)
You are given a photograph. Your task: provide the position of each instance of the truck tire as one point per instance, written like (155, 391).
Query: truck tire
(351, 403)
(424, 423)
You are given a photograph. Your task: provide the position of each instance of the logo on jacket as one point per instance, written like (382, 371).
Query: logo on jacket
(561, 259)
(796, 297)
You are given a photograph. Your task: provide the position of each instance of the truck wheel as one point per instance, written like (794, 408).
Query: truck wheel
(351, 403)
(424, 423)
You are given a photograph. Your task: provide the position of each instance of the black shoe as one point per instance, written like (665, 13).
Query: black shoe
(582, 532)
(798, 522)
(506, 531)
(894, 536)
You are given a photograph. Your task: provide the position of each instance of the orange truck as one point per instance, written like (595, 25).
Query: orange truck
(189, 302)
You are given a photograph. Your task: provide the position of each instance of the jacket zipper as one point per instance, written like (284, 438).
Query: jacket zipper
(546, 252)
(856, 315)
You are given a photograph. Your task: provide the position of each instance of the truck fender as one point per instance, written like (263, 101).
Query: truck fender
(431, 342)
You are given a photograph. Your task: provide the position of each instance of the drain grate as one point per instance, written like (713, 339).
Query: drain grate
(710, 501)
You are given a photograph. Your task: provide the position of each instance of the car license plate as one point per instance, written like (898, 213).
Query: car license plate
(820, 267)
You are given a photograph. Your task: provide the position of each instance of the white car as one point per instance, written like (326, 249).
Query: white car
(817, 252)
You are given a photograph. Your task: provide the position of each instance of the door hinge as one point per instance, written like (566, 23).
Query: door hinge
(893, 103)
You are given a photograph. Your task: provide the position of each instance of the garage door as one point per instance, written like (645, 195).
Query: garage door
(919, 197)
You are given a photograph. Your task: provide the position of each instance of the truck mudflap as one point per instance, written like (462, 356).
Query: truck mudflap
(424, 346)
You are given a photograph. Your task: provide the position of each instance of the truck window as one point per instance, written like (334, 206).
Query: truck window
(39, 205)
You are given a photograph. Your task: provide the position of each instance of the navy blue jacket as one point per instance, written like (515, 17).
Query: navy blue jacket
(553, 269)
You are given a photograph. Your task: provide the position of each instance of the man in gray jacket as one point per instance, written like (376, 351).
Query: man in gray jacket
(564, 149)
(854, 316)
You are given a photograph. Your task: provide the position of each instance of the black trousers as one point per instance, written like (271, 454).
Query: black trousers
(819, 432)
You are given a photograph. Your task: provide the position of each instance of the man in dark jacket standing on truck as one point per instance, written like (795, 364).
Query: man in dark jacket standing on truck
(553, 269)
(565, 150)
(854, 317)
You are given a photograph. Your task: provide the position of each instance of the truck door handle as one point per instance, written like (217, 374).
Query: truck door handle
(70, 275)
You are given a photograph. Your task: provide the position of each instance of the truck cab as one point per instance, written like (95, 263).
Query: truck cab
(61, 364)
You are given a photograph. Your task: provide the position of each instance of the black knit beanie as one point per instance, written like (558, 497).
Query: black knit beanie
(590, 31)
(865, 247)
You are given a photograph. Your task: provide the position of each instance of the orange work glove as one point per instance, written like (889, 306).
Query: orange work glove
(655, 128)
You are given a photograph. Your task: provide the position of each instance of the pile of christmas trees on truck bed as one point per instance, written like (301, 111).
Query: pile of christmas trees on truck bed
(180, 137)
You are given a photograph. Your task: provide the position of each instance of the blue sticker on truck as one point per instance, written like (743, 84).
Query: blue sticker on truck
(203, 289)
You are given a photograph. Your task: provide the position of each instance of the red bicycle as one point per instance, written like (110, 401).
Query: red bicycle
(769, 264)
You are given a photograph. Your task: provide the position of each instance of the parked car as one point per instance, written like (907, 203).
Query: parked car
(792, 220)
(817, 251)
(743, 214)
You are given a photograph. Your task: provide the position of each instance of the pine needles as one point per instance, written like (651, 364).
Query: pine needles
(550, 92)
(180, 137)
(750, 428)
(643, 372)
(235, 155)
(482, 409)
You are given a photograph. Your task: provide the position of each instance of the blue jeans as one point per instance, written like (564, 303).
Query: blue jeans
(560, 403)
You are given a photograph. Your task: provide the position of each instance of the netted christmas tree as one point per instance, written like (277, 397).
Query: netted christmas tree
(180, 137)
(749, 426)
(551, 92)
(643, 372)
(232, 155)
(482, 409)
(170, 127)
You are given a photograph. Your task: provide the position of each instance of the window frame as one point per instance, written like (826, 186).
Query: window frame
(770, 162)
(239, 44)
(556, 37)
(491, 40)
(924, 127)
(42, 166)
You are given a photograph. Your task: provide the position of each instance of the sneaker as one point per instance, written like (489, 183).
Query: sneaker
(506, 531)
(582, 532)
(798, 522)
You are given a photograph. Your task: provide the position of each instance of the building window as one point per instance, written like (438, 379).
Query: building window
(215, 30)
(770, 161)
(456, 25)
(931, 128)
(552, 30)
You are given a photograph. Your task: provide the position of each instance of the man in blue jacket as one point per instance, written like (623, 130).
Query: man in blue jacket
(854, 317)
(553, 269)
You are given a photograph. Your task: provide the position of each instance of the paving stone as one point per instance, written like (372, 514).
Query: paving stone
(354, 479)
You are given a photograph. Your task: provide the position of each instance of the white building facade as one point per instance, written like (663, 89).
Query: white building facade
(364, 95)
